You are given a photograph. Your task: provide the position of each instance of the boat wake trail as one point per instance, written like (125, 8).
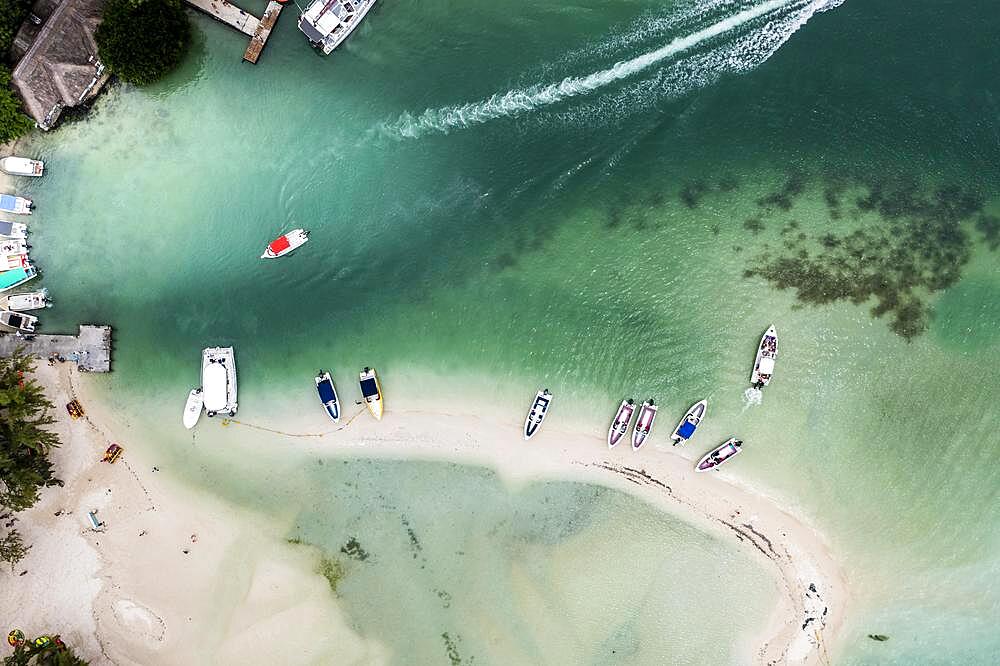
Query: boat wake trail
(752, 397)
(770, 25)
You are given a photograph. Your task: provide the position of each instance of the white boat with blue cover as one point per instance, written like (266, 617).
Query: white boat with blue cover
(328, 395)
(18, 205)
(371, 391)
(13, 229)
(686, 428)
(539, 408)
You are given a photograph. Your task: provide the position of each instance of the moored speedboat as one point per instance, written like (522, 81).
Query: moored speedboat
(539, 408)
(17, 322)
(328, 395)
(685, 429)
(763, 365)
(327, 23)
(218, 380)
(21, 166)
(622, 420)
(16, 277)
(18, 205)
(285, 244)
(193, 407)
(13, 229)
(32, 300)
(371, 390)
(720, 454)
(643, 424)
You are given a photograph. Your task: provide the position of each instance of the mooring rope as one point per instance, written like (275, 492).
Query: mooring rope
(229, 421)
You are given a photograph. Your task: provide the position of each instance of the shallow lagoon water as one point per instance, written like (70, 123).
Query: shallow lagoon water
(596, 244)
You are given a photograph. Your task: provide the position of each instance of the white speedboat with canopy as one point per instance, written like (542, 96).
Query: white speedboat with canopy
(763, 365)
(218, 380)
(32, 300)
(327, 23)
(22, 166)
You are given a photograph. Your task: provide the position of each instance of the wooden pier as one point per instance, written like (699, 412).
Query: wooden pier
(257, 29)
(90, 350)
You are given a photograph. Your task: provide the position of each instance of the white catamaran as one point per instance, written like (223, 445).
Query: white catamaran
(327, 23)
(218, 380)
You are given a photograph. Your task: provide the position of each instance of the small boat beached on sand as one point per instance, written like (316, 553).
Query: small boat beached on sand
(19, 205)
(372, 392)
(622, 420)
(539, 408)
(720, 454)
(685, 429)
(328, 395)
(643, 424)
(283, 245)
(218, 380)
(17, 322)
(192, 408)
(21, 166)
(763, 365)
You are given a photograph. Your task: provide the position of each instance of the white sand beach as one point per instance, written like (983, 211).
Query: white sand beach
(149, 589)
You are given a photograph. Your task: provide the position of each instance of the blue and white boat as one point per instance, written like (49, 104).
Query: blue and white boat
(13, 229)
(685, 429)
(19, 205)
(328, 395)
(16, 277)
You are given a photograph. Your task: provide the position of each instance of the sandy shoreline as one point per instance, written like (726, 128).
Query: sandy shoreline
(145, 590)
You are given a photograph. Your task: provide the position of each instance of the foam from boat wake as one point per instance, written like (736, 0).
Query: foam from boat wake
(783, 18)
(752, 397)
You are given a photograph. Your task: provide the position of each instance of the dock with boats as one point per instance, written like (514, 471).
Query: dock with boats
(258, 29)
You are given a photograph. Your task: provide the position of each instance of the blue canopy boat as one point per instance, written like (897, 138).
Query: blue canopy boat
(685, 429)
(11, 204)
(328, 395)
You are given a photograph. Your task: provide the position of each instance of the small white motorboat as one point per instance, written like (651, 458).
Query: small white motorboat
(13, 246)
(622, 420)
(193, 407)
(539, 408)
(371, 390)
(685, 429)
(17, 322)
(32, 300)
(218, 380)
(643, 424)
(22, 166)
(19, 205)
(763, 364)
(286, 244)
(13, 229)
(720, 454)
(328, 395)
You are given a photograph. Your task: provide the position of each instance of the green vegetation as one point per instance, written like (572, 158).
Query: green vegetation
(43, 651)
(24, 446)
(332, 570)
(13, 122)
(141, 40)
(12, 15)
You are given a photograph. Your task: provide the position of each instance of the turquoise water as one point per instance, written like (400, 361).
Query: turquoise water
(477, 230)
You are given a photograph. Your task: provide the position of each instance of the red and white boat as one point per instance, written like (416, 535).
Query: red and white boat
(620, 425)
(283, 245)
(643, 424)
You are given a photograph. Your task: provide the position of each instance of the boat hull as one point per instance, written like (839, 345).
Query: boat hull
(720, 455)
(539, 409)
(763, 365)
(22, 166)
(643, 424)
(218, 380)
(286, 244)
(371, 391)
(328, 396)
(695, 415)
(620, 424)
(193, 408)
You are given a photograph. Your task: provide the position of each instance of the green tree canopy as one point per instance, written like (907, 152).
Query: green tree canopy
(43, 651)
(141, 40)
(12, 15)
(13, 122)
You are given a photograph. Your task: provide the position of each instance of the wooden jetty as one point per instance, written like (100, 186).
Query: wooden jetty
(257, 29)
(91, 349)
